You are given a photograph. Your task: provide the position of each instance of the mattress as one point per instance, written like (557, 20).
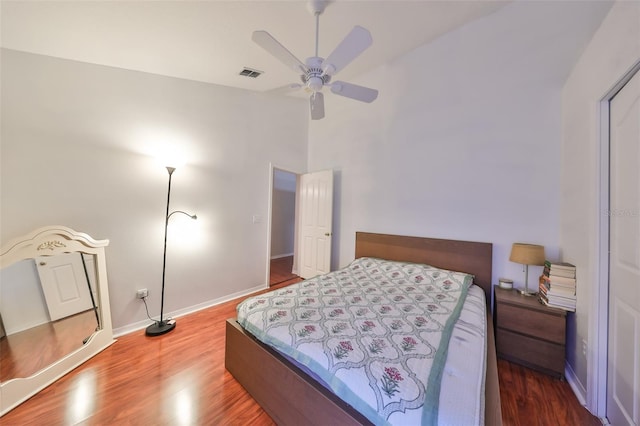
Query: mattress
(402, 343)
(463, 381)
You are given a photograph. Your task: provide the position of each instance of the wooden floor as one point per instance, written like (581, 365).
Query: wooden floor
(180, 379)
(530, 398)
(24, 353)
(280, 270)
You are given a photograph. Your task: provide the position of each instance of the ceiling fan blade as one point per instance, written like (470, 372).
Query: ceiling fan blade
(353, 91)
(317, 105)
(271, 45)
(356, 42)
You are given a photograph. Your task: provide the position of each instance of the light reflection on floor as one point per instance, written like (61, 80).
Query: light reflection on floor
(82, 398)
(181, 398)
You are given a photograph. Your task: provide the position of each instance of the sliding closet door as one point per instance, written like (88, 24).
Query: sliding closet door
(623, 370)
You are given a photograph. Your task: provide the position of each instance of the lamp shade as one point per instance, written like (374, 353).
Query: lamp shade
(527, 254)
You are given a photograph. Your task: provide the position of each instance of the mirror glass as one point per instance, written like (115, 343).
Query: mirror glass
(54, 309)
(47, 307)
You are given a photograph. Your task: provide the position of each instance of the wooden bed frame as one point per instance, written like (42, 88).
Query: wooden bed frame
(291, 397)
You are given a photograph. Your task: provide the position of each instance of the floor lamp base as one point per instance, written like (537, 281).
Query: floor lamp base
(160, 327)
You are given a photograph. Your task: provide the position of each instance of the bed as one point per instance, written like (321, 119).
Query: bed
(288, 392)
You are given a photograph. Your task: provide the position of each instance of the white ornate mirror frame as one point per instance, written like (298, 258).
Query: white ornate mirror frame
(51, 241)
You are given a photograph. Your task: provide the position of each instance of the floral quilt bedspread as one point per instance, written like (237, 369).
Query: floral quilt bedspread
(376, 332)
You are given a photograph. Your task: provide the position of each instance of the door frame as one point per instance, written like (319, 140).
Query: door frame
(272, 168)
(599, 322)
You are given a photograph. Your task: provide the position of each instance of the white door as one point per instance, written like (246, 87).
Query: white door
(623, 365)
(64, 284)
(316, 218)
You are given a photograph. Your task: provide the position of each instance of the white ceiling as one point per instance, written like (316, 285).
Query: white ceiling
(210, 41)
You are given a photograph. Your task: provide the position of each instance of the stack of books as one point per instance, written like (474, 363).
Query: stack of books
(558, 285)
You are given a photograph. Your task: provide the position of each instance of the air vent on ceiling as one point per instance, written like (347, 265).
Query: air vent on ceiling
(250, 72)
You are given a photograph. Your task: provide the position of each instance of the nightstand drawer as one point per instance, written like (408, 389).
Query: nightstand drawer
(530, 351)
(533, 323)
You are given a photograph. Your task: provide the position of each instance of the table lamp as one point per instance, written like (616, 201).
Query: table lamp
(527, 254)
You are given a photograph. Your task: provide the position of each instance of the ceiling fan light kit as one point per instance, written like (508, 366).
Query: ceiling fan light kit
(317, 72)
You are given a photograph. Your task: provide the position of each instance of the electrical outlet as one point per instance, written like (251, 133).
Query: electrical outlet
(142, 293)
(584, 348)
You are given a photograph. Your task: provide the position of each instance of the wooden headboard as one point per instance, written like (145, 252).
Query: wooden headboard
(462, 256)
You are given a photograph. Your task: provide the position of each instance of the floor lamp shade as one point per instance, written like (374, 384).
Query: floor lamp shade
(527, 254)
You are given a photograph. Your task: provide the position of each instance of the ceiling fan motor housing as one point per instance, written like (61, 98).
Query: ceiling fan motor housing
(314, 78)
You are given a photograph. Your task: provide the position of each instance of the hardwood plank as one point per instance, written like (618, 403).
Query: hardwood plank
(179, 378)
(531, 398)
(29, 351)
(280, 270)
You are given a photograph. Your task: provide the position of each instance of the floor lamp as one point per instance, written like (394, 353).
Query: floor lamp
(162, 326)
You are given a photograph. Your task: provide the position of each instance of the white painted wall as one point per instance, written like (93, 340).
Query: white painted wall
(22, 301)
(75, 143)
(614, 49)
(464, 139)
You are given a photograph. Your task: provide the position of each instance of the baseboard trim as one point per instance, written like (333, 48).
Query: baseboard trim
(121, 331)
(279, 256)
(576, 386)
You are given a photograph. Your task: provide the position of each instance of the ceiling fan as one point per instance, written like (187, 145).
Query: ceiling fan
(317, 72)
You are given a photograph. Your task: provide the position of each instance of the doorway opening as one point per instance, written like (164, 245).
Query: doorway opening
(282, 265)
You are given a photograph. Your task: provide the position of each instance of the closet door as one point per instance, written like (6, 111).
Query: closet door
(623, 369)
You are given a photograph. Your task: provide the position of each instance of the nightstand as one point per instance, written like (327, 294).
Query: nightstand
(528, 332)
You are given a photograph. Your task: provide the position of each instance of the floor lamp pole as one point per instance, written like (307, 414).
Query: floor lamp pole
(162, 327)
